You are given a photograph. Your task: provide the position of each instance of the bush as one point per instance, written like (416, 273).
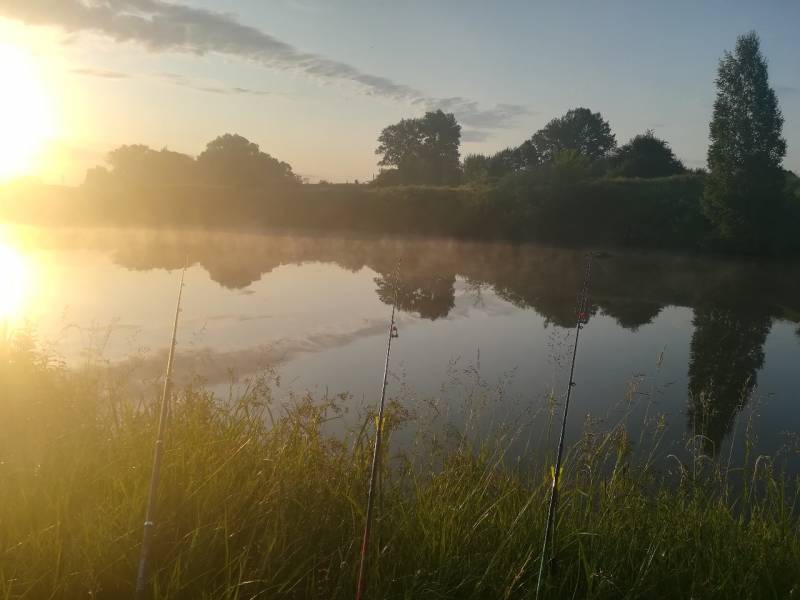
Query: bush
(662, 212)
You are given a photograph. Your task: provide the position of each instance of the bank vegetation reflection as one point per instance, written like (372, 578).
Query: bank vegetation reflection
(735, 302)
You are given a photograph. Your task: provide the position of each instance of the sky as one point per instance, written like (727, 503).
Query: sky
(314, 82)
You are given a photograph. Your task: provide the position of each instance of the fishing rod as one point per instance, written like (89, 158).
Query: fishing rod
(373, 477)
(550, 527)
(150, 516)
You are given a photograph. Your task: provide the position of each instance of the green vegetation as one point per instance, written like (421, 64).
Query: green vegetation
(579, 136)
(646, 156)
(421, 150)
(557, 203)
(257, 501)
(481, 168)
(579, 130)
(744, 195)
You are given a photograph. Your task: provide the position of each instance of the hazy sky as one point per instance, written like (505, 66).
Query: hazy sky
(313, 82)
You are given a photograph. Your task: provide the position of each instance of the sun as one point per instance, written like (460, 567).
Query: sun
(26, 120)
(15, 283)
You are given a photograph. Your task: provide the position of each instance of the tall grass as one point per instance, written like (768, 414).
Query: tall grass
(257, 501)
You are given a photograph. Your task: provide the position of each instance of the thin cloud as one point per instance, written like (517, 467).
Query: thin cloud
(210, 88)
(161, 26)
(175, 79)
(100, 73)
(469, 112)
(786, 90)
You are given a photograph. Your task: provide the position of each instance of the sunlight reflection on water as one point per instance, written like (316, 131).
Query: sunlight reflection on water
(16, 275)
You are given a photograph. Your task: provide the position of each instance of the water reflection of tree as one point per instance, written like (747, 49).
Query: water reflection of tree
(630, 313)
(430, 296)
(727, 350)
(631, 287)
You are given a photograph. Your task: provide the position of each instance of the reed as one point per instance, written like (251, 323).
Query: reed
(254, 508)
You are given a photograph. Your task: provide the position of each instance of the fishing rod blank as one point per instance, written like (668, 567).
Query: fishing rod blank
(376, 456)
(550, 527)
(149, 520)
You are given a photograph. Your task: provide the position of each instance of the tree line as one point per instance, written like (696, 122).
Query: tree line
(426, 151)
(747, 199)
(228, 160)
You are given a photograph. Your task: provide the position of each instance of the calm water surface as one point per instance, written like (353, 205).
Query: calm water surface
(705, 342)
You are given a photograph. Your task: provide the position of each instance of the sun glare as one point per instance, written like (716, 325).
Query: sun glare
(25, 113)
(14, 283)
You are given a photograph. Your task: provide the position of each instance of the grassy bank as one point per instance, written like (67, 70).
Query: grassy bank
(256, 501)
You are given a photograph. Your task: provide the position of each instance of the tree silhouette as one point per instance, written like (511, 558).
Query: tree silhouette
(479, 167)
(141, 164)
(745, 183)
(423, 150)
(234, 160)
(510, 160)
(98, 177)
(580, 130)
(646, 156)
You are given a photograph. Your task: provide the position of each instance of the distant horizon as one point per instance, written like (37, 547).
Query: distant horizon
(313, 84)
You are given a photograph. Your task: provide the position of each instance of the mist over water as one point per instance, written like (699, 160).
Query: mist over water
(706, 342)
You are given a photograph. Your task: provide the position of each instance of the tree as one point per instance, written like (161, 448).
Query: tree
(441, 138)
(580, 130)
(566, 167)
(510, 160)
(131, 161)
(476, 167)
(97, 177)
(423, 150)
(479, 167)
(793, 189)
(743, 194)
(526, 156)
(143, 165)
(646, 156)
(234, 160)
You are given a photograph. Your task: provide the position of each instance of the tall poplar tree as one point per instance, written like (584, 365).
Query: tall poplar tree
(743, 194)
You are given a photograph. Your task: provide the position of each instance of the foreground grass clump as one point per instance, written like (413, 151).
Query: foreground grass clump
(257, 502)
